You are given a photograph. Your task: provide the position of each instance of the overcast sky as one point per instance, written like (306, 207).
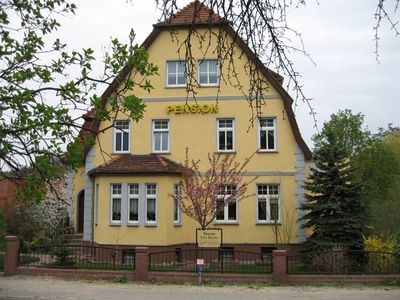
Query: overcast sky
(338, 35)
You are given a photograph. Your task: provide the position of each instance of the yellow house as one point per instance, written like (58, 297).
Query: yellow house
(122, 194)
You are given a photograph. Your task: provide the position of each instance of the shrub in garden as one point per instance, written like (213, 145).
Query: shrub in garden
(63, 256)
(381, 258)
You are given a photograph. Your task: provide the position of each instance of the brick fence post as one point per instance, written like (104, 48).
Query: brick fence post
(11, 256)
(142, 263)
(279, 265)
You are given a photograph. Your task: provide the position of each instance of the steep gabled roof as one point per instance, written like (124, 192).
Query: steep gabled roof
(137, 164)
(194, 13)
(197, 14)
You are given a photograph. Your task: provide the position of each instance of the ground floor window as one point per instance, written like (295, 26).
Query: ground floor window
(268, 203)
(116, 199)
(177, 198)
(226, 207)
(133, 204)
(151, 203)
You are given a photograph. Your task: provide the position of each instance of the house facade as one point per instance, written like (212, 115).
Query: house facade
(122, 194)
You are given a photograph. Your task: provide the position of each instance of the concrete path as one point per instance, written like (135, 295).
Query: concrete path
(45, 288)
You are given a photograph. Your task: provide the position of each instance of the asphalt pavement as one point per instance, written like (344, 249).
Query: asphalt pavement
(46, 288)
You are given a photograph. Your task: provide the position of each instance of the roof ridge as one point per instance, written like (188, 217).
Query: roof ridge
(196, 12)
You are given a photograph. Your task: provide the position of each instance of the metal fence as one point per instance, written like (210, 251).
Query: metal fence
(2, 260)
(215, 260)
(77, 256)
(344, 262)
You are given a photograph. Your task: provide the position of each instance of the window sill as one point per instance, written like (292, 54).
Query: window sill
(150, 225)
(212, 85)
(268, 223)
(159, 152)
(225, 151)
(120, 152)
(132, 224)
(267, 151)
(177, 224)
(226, 223)
(115, 224)
(182, 86)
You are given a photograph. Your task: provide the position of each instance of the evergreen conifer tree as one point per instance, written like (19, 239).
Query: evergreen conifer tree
(333, 207)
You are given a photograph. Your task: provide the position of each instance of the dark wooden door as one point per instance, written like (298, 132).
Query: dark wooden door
(81, 210)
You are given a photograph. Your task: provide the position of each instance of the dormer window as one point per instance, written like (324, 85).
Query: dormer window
(121, 136)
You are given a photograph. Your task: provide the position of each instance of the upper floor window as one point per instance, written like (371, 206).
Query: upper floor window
(116, 199)
(121, 136)
(225, 135)
(160, 136)
(176, 73)
(151, 203)
(208, 72)
(133, 203)
(226, 208)
(268, 204)
(267, 134)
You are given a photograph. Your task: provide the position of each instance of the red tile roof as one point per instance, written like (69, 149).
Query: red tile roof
(134, 164)
(194, 13)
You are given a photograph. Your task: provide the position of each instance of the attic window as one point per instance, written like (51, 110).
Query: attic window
(176, 73)
(208, 72)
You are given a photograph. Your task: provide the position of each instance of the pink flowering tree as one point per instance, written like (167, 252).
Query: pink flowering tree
(205, 193)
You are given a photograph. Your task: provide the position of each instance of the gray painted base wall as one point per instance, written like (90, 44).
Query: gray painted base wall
(88, 208)
(300, 177)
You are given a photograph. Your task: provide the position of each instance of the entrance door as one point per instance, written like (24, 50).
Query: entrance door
(81, 211)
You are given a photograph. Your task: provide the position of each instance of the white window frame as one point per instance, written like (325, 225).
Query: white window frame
(267, 129)
(226, 129)
(150, 197)
(168, 70)
(177, 213)
(223, 197)
(207, 73)
(113, 197)
(116, 131)
(133, 196)
(267, 198)
(162, 131)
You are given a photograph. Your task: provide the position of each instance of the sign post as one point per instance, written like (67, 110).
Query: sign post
(199, 268)
(206, 238)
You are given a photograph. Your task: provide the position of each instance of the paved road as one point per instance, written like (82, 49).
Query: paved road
(39, 288)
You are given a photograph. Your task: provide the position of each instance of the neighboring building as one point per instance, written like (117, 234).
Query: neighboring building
(8, 196)
(126, 200)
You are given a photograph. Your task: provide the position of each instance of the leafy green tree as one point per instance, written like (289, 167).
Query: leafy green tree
(44, 88)
(334, 210)
(378, 167)
(347, 130)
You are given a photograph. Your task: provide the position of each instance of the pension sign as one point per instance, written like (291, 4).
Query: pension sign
(192, 109)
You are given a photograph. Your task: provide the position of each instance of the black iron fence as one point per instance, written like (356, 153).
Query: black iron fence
(214, 260)
(77, 256)
(344, 262)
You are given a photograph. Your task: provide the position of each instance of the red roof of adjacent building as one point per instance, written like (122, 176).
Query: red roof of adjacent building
(128, 163)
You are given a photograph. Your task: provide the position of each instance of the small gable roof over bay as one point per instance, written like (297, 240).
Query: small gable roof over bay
(137, 164)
